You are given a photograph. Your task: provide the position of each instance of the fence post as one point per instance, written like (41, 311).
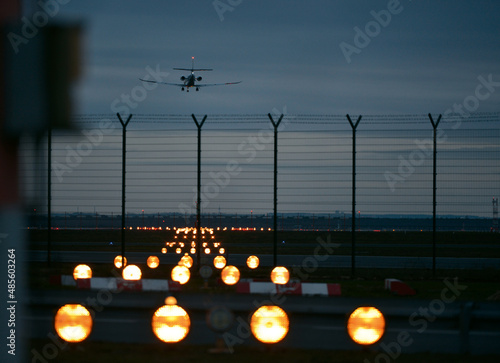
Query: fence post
(198, 200)
(275, 200)
(353, 224)
(434, 177)
(124, 152)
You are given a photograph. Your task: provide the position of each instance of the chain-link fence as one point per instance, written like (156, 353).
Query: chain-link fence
(394, 171)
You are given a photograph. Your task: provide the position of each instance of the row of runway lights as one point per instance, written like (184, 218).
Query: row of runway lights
(171, 323)
(230, 275)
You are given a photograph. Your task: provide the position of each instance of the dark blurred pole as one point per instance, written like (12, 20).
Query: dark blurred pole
(199, 125)
(49, 196)
(353, 226)
(124, 153)
(275, 201)
(434, 177)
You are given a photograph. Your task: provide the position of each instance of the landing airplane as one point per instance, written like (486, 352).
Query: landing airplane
(190, 81)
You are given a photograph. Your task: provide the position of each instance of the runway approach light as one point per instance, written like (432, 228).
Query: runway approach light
(253, 262)
(118, 261)
(181, 274)
(366, 325)
(164, 250)
(153, 262)
(82, 272)
(73, 323)
(131, 272)
(280, 275)
(186, 260)
(170, 322)
(219, 262)
(230, 275)
(269, 324)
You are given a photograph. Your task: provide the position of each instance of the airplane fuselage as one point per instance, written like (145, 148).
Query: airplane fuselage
(189, 81)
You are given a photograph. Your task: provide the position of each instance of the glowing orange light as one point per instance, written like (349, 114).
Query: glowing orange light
(269, 324)
(280, 275)
(180, 274)
(153, 262)
(82, 272)
(253, 262)
(73, 323)
(207, 251)
(131, 272)
(163, 250)
(222, 250)
(178, 250)
(230, 275)
(193, 251)
(366, 325)
(170, 323)
(186, 260)
(118, 261)
(219, 262)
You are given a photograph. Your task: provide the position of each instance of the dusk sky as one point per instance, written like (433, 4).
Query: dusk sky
(426, 57)
(372, 58)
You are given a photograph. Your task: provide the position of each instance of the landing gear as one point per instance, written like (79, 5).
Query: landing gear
(182, 89)
(197, 89)
(187, 90)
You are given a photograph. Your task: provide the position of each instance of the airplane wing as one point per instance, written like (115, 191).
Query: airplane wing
(216, 84)
(170, 84)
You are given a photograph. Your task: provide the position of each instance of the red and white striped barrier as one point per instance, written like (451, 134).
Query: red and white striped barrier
(398, 287)
(116, 284)
(292, 288)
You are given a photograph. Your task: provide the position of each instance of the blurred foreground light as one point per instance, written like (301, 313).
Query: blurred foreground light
(180, 274)
(230, 275)
(219, 262)
(252, 262)
(131, 272)
(73, 323)
(280, 275)
(170, 323)
(366, 325)
(153, 262)
(82, 272)
(118, 261)
(186, 260)
(269, 324)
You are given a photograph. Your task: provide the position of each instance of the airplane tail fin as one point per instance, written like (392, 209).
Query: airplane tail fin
(192, 68)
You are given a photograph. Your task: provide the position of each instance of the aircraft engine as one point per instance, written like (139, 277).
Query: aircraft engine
(199, 79)
(183, 78)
